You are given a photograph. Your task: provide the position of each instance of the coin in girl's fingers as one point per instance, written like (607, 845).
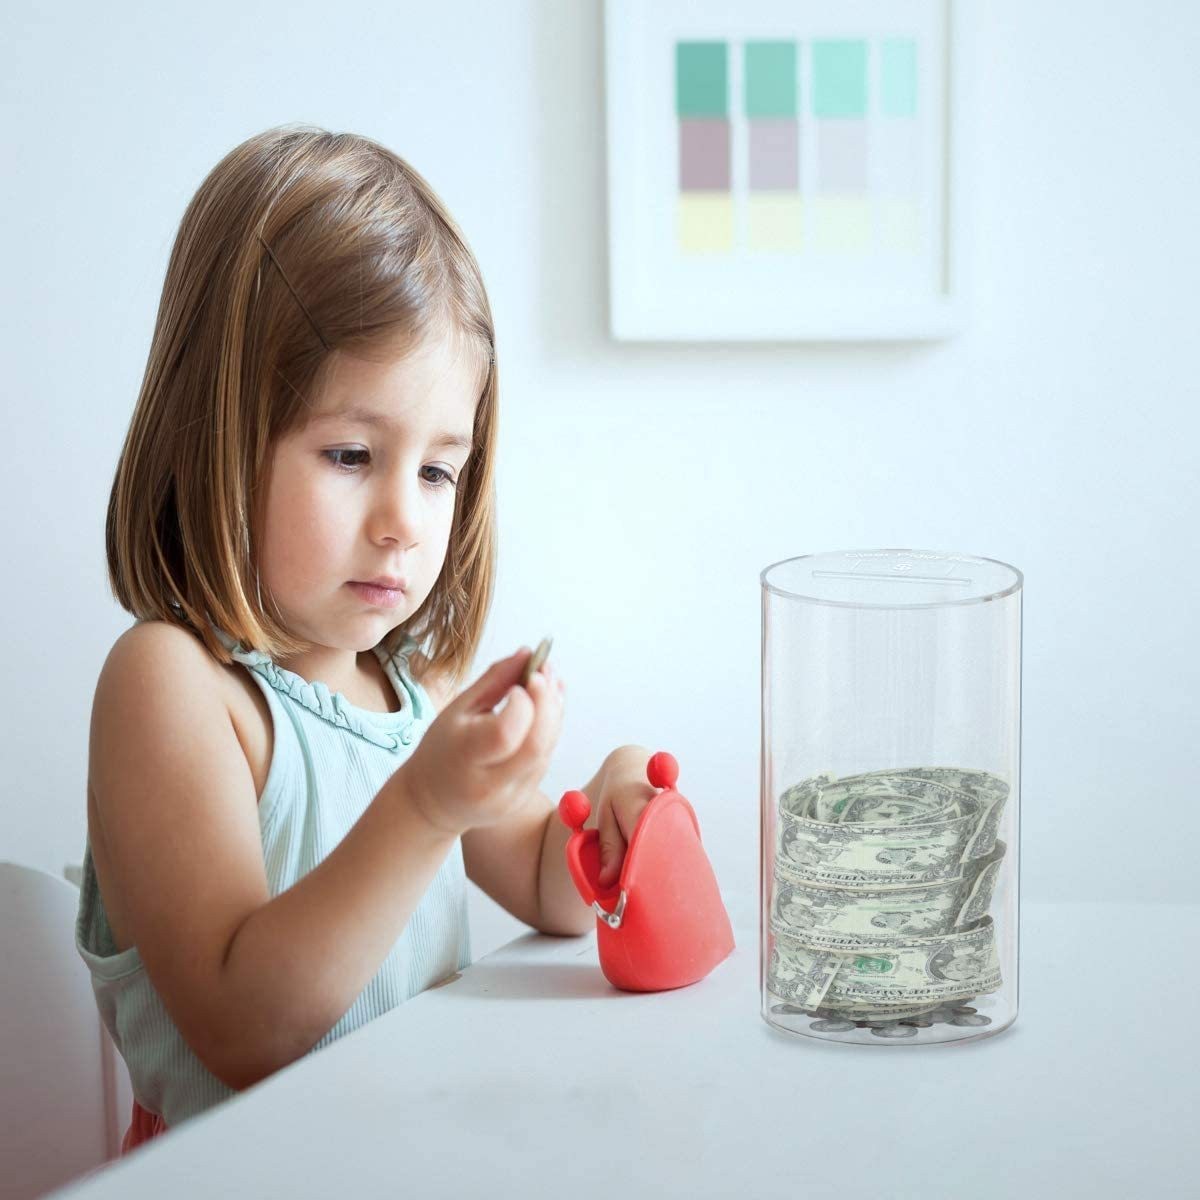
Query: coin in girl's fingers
(538, 657)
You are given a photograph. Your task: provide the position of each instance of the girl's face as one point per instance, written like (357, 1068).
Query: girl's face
(366, 490)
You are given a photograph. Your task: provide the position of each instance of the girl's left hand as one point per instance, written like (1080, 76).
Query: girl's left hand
(624, 794)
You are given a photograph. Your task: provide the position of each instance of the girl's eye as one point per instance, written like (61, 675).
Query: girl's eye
(446, 479)
(341, 465)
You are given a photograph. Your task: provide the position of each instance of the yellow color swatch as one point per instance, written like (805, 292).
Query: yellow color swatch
(705, 222)
(841, 223)
(774, 221)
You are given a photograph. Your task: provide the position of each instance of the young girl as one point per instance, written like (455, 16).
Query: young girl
(287, 786)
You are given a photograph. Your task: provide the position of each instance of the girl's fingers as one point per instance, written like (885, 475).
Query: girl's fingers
(548, 716)
(612, 846)
(502, 734)
(492, 686)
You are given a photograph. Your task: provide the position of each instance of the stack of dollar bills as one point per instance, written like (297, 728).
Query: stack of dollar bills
(880, 895)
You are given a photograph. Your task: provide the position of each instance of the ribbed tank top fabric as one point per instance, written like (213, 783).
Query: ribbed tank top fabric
(328, 762)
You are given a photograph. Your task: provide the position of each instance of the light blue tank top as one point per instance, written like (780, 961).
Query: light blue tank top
(329, 761)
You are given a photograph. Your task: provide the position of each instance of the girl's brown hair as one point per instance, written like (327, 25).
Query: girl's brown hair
(300, 243)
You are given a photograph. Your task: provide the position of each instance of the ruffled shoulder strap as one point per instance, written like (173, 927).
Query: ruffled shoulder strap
(389, 730)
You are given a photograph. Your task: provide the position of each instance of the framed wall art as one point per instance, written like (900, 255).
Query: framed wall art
(782, 171)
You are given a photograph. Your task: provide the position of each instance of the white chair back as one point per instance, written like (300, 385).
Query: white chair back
(60, 1076)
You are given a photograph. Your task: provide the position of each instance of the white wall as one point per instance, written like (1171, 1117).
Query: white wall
(643, 488)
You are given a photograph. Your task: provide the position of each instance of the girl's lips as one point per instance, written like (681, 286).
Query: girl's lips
(378, 597)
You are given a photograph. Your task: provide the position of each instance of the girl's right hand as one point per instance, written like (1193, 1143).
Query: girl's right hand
(475, 767)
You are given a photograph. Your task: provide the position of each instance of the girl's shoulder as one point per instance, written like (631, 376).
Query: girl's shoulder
(184, 667)
(158, 648)
(166, 650)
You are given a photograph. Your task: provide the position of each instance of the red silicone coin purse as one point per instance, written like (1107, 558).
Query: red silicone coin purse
(662, 923)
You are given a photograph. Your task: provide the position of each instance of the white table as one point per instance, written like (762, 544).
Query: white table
(529, 1076)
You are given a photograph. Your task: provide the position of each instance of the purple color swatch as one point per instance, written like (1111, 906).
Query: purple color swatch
(704, 155)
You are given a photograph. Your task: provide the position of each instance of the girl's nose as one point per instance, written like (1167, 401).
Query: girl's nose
(396, 515)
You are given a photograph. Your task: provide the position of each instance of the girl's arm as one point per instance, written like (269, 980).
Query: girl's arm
(251, 982)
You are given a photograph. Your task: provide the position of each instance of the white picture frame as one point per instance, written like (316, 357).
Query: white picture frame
(662, 288)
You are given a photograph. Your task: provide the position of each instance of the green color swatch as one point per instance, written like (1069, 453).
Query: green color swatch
(701, 79)
(898, 94)
(840, 78)
(770, 79)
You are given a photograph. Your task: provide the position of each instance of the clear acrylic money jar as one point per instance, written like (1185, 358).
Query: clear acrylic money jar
(891, 751)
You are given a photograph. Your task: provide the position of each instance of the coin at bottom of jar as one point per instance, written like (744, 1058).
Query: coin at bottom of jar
(831, 1025)
(971, 1019)
(895, 1031)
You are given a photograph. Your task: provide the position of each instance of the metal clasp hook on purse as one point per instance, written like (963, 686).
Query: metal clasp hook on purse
(613, 918)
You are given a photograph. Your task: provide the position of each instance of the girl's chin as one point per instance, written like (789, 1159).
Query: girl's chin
(358, 627)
